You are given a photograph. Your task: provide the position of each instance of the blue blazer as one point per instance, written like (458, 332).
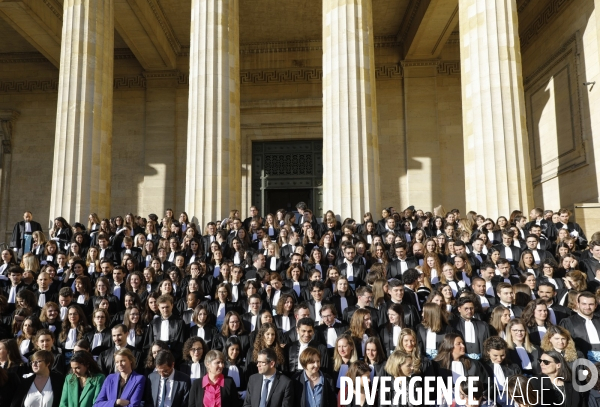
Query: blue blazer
(133, 391)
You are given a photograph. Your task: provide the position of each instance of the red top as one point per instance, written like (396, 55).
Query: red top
(212, 391)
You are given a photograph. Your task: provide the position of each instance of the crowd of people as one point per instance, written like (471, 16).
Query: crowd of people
(273, 310)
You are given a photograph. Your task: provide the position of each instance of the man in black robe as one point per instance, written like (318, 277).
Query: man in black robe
(21, 240)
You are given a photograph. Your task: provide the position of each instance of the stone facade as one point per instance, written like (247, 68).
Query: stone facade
(424, 157)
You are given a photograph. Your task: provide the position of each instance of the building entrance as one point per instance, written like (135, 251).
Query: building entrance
(285, 173)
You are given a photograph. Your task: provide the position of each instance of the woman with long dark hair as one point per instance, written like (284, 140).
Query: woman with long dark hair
(83, 385)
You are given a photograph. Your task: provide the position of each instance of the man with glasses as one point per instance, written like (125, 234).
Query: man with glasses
(166, 386)
(330, 328)
(364, 300)
(250, 318)
(268, 387)
(539, 256)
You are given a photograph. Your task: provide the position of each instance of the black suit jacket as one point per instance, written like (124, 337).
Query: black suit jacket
(508, 369)
(17, 239)
(178, 333)
(589, 266)
(281, 394)
(229, 394)
(359, 273)
(57, 381)
(575, 324)
(482, 332)
(534, 355)
(293, 349)
(179, 394)
(394, 268)
(516, 253)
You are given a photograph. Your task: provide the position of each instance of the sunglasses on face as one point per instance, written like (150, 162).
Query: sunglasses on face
(545, 361)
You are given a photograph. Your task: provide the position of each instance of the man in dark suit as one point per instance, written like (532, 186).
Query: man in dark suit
(21, 240)
(15, 285)
(402, 263)
(573, 228)
(167, 384)
(254, 215)
(105, 251)
(591, 264)
(508, 250)
(106, 359)
(474, 332)
(45, 293)
(537, 219)
(316, 302)
(210, 236)
(543, 243)
(364, 297)
(584, 326)
(355, 272)
(507, 273)
(478, 285)
(168, 328)
(128, 248)
(556, 312)
(330, 328)
(532, 242)
(396, 291)
(306, 338)
(269, 388)
(506, 295)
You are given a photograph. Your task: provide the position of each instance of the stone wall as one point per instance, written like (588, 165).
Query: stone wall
(559, 41)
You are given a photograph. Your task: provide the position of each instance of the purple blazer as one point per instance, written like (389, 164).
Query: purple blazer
(133, 391)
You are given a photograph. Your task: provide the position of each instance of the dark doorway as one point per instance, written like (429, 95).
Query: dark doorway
(286, 199)
(287, 172)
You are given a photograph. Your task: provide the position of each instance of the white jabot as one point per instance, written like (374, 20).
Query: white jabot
(531, 271)
(484, 301)
(71, 339)
(131, 337)
(148, 260)
(271, 231)
(285, 323)
(253, 323)
(221, 312)
(296, 287)
(235, 293)
(171, 257)
(102, 251)
(431, 340)
(303, 346)
(542, 331)
(466, 279)
(470, 332)
(553, 282)
(517, 243)
(403, 266)
(63, 313)
(273, 265)
(499, 376)
(454, 286)
(12, 295)
(236, 258)
(24, 348)
(396, 335)
(42, 299)
(343, 303)
(201, 333)
(196, 372)
(318, 306)
(276, 296)
(490, 236)
(234, 373)
(591, 331)
(458, 370)
(369, 239)
(97, 341)
(27, 227)
(149, 288)
(81, 299)
(489, 288)
(331, 337)
(349, 272)
(164, 330)
(536, 256)
(217, 271)
(508, 255)
(552, 316)
(525, 361)
(343, 372)
(435, 278)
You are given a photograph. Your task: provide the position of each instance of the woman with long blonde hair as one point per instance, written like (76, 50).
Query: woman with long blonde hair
(432, 329)
(520, 349)
(344, 354)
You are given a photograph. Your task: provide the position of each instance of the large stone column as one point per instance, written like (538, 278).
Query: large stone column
(350, 144)
(82, 150)
(497, 168)
(213, 184)
(7, 120)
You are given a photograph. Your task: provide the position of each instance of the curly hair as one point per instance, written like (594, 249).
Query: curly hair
(260, 344)
(81, 327)
(546, 345)
(187, 347)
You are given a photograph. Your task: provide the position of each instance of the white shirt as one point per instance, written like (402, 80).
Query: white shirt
(536, 256)
(349, 271)
(403, 266)
(489, 288)
(552, 316)
(27, 227)
(234, 373)
(221, 312)
(34, 398)
(434, 276)
(318, 306)
(276, 297)
(164, 330)
(343, 303)
(12, 296)
(273, 265)
(42, 299)
(81, 299)
(24, 348)
(97, 341)
(303, 346)
(591, 330)
(253, 322)
(396, 335)
(234, 293)
(484, 301)
(169, 394)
